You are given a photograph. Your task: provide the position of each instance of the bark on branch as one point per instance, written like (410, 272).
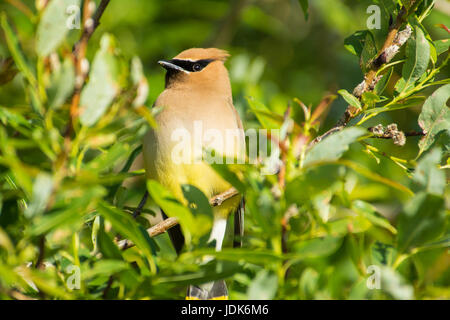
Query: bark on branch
(90, 23)
(170, 222)
(395, 39)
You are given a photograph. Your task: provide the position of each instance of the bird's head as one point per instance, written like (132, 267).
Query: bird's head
(198, 67)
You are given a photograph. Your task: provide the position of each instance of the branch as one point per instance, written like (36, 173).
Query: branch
(391, 132)
(170, 222)
(91, 22)
(394, 40)
(90, 25)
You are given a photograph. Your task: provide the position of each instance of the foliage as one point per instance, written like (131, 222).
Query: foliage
(314, 230)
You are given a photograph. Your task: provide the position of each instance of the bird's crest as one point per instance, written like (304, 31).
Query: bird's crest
(203, 53)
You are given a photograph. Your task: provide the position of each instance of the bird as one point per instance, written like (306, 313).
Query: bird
(197, 94)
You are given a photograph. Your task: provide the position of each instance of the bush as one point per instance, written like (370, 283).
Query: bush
(333, 223)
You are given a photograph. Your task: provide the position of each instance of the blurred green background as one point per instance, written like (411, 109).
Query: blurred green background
(276, 55)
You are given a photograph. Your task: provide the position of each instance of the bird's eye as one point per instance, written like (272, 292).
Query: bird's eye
(197, 67)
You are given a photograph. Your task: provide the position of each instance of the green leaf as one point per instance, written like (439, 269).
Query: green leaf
(403, 104)
(370, 99)
(318, 247)
(393, 284)
(105, 267)
(442, 46)
(267, 118)
(52, 28)
(139, 81)
(62, 84)
(264, 286)
(18, 56)
(332, 147)
(370, 212)
(103, 85)
(197, 200)
(435, 116)
(369, 51)
(226, 173)
(108, 159)
(351, 99)
(417, 59)
(42, 189)
(258, 257)
(70, 216)
(304, 4)
(107, 247)
(172, 207)
(129, 228)
(355, 43)
(422, 220)
(428, 175)
(309, 282)
(382, 84)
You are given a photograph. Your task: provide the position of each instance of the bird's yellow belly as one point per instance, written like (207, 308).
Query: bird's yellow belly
(169, 172)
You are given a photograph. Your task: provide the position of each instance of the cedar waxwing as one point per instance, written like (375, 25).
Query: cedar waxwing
(197, 95)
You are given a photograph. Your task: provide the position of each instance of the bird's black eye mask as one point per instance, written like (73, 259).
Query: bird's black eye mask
(186, 65)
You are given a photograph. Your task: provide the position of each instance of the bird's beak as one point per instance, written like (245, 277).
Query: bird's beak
(169, 65)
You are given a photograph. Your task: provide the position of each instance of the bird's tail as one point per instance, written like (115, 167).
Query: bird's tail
(216, 290)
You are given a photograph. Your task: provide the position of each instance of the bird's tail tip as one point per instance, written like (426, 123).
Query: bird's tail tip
(216, 290)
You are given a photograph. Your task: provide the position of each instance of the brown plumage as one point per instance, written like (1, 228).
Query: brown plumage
(200, 98)
(197, 93)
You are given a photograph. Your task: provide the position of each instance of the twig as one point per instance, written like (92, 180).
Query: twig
(394, 40)
(90, 25)
(391, 132)
(170, 222)
(220, 198)
(91, 22)
(141, 205)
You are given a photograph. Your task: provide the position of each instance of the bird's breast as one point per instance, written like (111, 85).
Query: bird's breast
(190, 127)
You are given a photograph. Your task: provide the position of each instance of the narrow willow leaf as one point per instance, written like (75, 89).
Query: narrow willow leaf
(42, 189)
(103, 85)
(349, 98)
(128, 227)
(422, 220)
(62, 84)
(53, 26)
(16, 52)
(317, 247)
(264, 286)
(435, 116)
(172, 207)
(442, 46)
(382, 84)
(355, 43)
(406, 103)
(105, 267)
(267, 118)
(71, 216)
(428, 175)
(332, 147)
(370, 212)
(304, 4)
(417, 59)
(197, 200)
(393, 284)
(369, 51)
